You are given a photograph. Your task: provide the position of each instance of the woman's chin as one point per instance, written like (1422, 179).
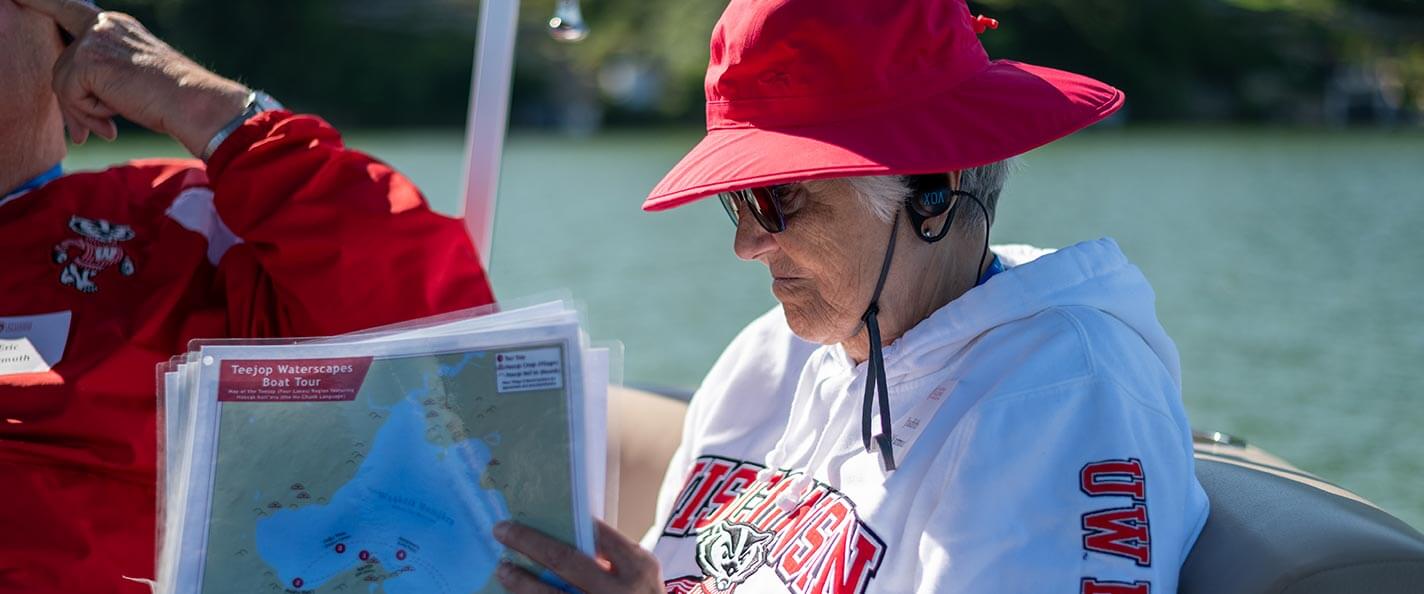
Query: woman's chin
(807, 324)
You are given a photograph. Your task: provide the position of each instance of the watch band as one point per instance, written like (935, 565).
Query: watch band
(257, 102)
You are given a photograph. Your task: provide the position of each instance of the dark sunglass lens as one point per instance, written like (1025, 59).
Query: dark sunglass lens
(729, 203)
(767, 208)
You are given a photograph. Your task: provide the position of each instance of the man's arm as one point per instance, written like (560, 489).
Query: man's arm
(328, 240)
(331, 239)
(116, 67)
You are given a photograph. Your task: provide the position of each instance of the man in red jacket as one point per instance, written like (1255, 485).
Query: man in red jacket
(282, 232)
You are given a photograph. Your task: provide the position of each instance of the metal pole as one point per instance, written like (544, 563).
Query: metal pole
(489, 113)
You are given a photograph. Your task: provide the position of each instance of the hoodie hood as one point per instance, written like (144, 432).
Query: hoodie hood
(1092, 274)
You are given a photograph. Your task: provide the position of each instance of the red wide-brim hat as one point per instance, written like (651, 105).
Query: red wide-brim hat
(813, 89)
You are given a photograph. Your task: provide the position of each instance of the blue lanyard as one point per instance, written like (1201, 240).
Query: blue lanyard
(995, 267)
(39, 180)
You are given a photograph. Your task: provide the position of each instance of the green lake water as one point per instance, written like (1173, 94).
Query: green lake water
(1289, 266)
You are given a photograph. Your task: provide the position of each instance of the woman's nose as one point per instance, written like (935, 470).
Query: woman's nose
(752, 241)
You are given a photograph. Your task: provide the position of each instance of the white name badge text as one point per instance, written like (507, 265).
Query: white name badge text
(32, 344)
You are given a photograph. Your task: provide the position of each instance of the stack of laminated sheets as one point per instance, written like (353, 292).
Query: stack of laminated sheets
(379, 461)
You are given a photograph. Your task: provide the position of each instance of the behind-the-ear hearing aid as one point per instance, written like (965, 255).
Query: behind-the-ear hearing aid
(930, 196)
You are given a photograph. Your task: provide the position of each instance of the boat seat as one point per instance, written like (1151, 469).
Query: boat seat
(1276, 530)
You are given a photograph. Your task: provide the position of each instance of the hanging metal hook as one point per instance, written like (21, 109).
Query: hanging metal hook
(567, 23)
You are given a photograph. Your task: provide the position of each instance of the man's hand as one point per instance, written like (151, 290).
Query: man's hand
(116, 67)
(622, 566)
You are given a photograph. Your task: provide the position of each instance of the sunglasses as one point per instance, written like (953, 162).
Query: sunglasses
(764, 204)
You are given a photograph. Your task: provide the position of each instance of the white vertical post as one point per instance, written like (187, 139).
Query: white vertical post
(489, 113)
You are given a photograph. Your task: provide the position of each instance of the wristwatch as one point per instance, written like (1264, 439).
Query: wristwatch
(257, 102)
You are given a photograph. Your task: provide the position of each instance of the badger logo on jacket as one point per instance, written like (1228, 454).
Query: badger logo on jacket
(96, 249)
(731, 553)
(818, 545)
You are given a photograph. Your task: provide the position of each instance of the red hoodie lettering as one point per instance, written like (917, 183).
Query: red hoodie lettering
(820, 546)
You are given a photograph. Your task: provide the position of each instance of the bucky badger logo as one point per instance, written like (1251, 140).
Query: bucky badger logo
(731, 553)
(819, 547)
(97, 247)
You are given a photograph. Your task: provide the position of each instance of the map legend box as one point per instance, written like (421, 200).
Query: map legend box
(534, 369)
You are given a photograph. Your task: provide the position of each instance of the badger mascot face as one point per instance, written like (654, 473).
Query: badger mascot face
(100, 230)
(731, 553)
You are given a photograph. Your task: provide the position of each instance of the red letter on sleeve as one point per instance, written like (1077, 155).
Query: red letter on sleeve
(1092, 586)
(1115, 477)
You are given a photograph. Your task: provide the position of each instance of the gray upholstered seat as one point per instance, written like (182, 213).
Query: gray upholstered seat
(1277, 530)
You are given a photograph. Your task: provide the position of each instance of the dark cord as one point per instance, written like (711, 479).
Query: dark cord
(875, 369)
(875, 380)
(983, 255)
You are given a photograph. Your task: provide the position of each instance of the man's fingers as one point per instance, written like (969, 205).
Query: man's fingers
(91, 105)
(75, 95)
(73, 16)
(92, 125)
(106, 129)
(98, 109)
(100, 115)
(76, 120)
(70, 128)
(78, 132)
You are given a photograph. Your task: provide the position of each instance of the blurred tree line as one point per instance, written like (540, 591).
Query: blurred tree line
(377, 63)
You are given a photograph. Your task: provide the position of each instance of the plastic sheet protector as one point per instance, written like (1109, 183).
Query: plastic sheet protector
(379, 461)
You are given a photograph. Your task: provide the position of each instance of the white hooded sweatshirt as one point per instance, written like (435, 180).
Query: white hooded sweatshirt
(1040, 440)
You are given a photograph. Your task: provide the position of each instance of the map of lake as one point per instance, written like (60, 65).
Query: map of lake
(414, 508)
(396, 491)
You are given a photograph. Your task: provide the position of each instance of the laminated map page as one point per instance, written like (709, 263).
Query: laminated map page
(376, 466)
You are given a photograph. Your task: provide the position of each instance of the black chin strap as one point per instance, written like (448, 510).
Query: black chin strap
(875, 372)
(875, 381)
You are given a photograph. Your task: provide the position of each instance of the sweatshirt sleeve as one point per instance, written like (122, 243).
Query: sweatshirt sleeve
(1080, 487)
(330, 240)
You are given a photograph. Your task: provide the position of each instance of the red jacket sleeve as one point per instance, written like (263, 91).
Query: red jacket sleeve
(331, 240)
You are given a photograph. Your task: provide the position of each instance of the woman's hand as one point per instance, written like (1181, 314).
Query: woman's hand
(622, 566)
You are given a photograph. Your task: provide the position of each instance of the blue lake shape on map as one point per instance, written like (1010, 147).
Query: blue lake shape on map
(407, 488)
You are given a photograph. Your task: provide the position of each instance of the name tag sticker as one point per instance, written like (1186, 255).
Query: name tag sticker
(32, 344)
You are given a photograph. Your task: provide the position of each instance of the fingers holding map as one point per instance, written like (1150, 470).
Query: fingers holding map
(380, 460)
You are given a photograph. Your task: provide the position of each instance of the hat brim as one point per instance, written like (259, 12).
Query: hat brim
(1007, 109)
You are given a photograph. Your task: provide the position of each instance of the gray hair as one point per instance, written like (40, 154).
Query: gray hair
(886, 193)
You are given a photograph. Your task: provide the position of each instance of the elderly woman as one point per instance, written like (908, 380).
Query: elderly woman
(945, 419)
